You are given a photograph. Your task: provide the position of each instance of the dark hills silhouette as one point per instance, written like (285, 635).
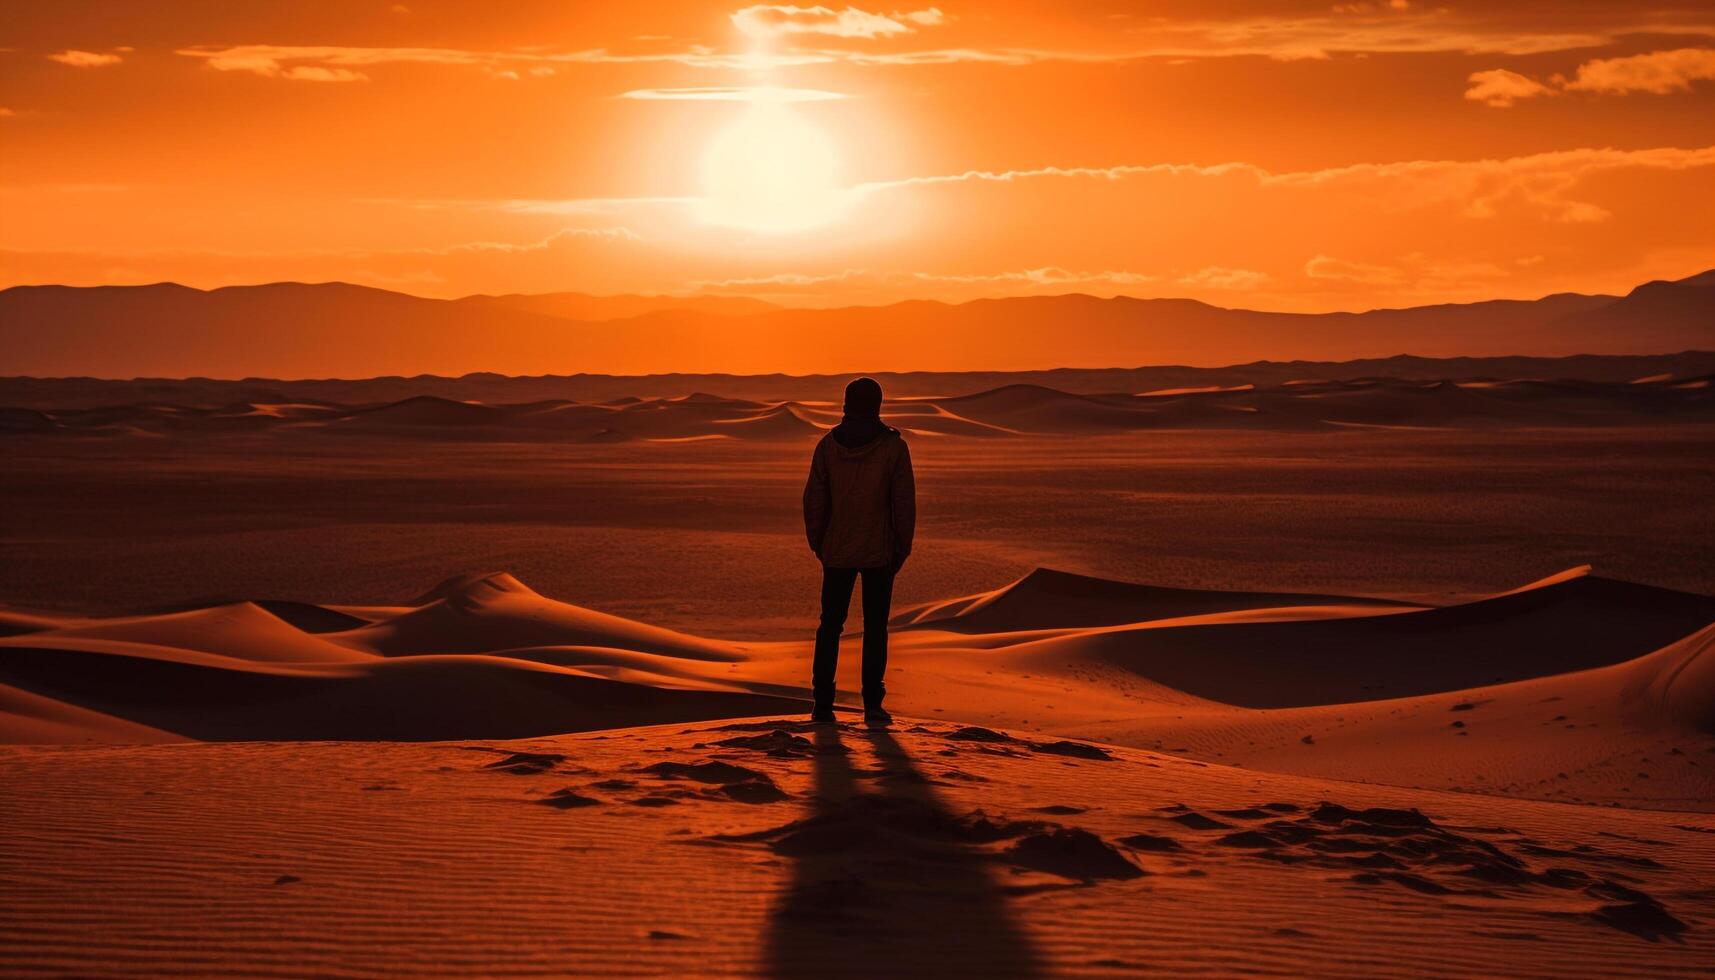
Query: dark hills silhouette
(620, 390)
(583, 306)
(342, 330)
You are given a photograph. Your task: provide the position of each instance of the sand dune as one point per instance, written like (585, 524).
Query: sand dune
(1636, 733)
(1019, 409)
(1049, 599)
(1330, 655)
(495, 612)
(1090, 754)
(1327, 685)
(245, 631)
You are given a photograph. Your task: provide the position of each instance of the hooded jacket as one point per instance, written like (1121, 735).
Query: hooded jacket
(860, 501)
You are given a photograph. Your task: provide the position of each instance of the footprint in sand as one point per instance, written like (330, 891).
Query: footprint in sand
(733, 782)
(566, 799)
(1196, 821)
(1077, 750)
(1071, 852)
(1408, 849)
(526, 763)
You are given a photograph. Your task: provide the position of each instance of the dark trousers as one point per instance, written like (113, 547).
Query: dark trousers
(836, 601)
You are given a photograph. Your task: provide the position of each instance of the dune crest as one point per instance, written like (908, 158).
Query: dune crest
(1047, 598)
(495, 611)
(1329, 685)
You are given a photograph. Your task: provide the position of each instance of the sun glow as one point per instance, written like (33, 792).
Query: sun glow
(772, 170)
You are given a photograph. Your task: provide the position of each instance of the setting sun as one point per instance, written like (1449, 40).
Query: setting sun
(772, 170)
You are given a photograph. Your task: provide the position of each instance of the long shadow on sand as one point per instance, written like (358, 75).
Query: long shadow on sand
(886, 881)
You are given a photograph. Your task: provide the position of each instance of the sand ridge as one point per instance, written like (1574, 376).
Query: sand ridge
(1574, 687)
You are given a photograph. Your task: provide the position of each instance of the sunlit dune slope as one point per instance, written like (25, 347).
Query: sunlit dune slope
(1337, 652)
(475, 613)
(1350, 687)
(1637, 733)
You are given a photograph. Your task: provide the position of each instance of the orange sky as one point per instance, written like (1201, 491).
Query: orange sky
(1278, 155)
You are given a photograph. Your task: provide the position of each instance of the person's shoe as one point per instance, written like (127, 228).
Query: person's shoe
(876, 715)
(822, 713)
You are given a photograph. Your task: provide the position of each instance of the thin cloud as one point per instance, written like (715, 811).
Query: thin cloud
(273, 60)
(1658, 72)
(1292, 39)
(1500, 88)
(1221, 277)
(1328, 267)
(563, 207)
(321, 73)
(781, 282)
(1418, 273)
(85, 59)
(738, 94)
(1283, 39)
(1544, 184)
(620, 234)
(765, 21)
(1044, 276)
(1541, 181)
(546, 243)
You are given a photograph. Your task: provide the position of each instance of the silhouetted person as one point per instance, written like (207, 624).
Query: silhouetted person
(860, 508)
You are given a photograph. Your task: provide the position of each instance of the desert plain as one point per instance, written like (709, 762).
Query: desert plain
(431, 685)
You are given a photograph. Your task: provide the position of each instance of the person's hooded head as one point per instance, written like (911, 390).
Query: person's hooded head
(862, 420)
(863, 399)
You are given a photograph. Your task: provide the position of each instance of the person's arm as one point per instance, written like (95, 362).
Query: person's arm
(904, 506)
(816, 502)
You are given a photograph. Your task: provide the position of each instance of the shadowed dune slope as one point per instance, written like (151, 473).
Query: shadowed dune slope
(33, 719)
(1052, 599)
(1640, 732)
(1573, 621)
(1559, 687)
(427, 698)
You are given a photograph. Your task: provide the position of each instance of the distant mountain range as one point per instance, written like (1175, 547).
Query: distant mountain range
(583, 306)
(296, 330)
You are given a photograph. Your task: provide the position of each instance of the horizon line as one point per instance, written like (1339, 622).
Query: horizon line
(1689, 352)
(778, 307)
